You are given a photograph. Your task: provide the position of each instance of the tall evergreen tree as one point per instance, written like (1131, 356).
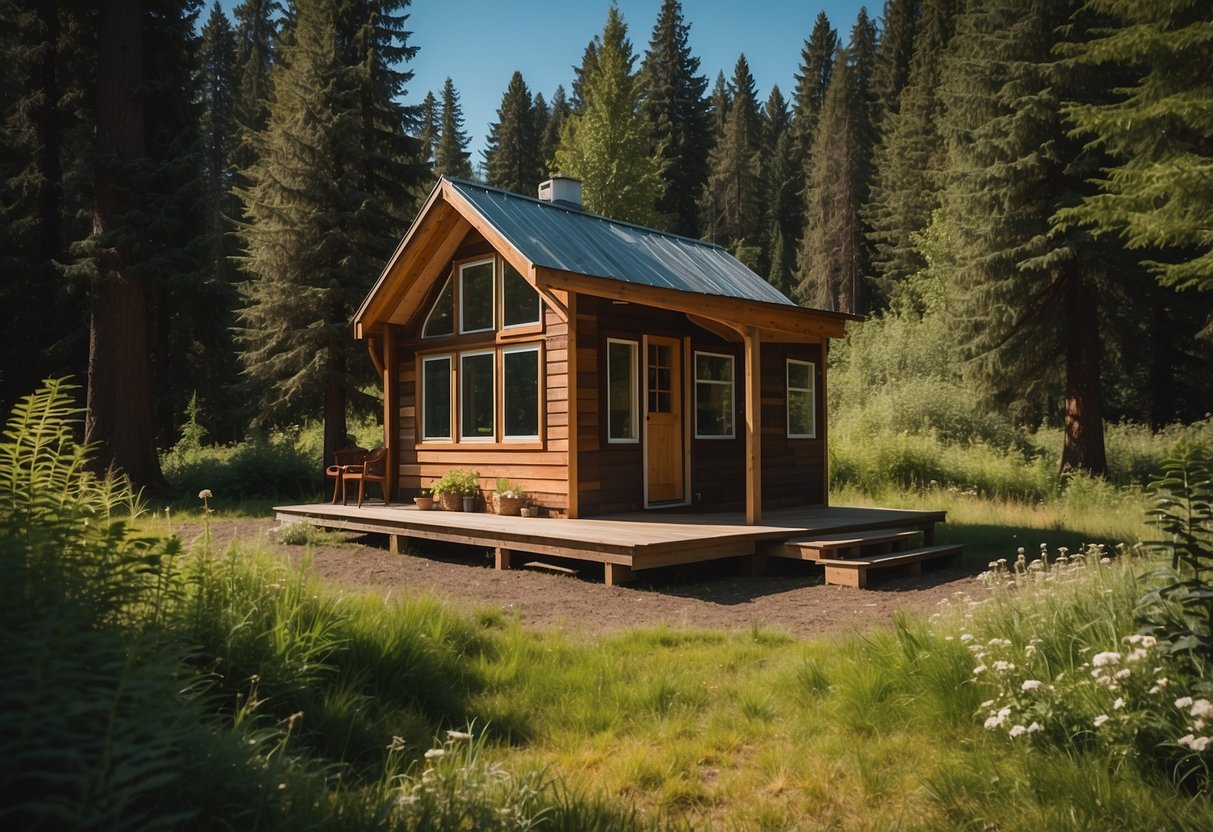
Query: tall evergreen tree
(256, 44)
(782, 197)
(606, 145)
(1158, 129)
(582, 72)
(899, 23)
(543, 114)
(733, 207)
(46, 95)
(513, 156)
(1026, 298)
(910, 156)
(816, 66)
(557, 113)
(451, 155)
(428, 128)
(678, 112)
(718, 107)
(335, 147)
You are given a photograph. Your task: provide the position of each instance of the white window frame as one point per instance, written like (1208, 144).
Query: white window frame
(732, 384)
(531, 437)
(450, 381)
(492, 435)
(492, 327)
(633, 391)
(811, 390)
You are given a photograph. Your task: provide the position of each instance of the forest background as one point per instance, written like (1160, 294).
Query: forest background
(1019, 194)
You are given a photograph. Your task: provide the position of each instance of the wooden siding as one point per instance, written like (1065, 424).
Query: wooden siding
(792, 469)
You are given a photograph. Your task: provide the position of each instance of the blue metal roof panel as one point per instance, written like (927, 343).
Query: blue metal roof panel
(557, 237)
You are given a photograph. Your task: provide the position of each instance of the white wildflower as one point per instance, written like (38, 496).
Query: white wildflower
(435, 753)
(1031, 684)
(1101, 719)
(1003, 666)
(1183, 701)
(1119, 703)
(1135, 638)
(966, 637)
(993, 722)
(1105, 658)
(1200, 744)
(1201, 707)
(458, 735)
(1185, 741)
(980, 669)
(987, 703)
(1148, 641)
(1124, 674)
(1018, 731)
(205, 494)
(1034, 727)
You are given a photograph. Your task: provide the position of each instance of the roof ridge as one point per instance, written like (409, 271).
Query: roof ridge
(590, 214)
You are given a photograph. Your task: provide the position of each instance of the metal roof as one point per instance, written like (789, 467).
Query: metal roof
(556, 236)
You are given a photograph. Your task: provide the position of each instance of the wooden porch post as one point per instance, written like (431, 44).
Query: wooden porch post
(753, 426)
(824, 428)
(391, 409)
(574, 432)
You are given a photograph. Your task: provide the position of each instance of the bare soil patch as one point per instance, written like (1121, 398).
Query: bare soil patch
(715, 595)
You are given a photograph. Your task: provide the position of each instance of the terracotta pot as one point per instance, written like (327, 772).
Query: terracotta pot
(424, 503)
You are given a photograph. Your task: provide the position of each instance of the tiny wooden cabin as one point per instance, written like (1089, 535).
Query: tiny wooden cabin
(601, 366)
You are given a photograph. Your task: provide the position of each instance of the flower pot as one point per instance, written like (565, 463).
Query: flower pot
(424, 503)
(469, 503)
(451, 502)
(527, 511)
(509, 506)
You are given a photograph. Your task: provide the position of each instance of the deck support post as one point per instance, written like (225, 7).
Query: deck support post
(617, 574)
(502, 558)
(397, 544)
(753, 426)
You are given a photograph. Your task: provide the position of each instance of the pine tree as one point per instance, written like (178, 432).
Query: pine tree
(451, 155)
(513, 154)
(782, 197)
(909, 158)
(256, 44)
(1025, 299)
(899, 23)
(46, 131)
(543, 114)
(678, 113)
(582, 72)
(733, 207)
(606, 145)
(1158, 192)
(816, 66)
(834, 250)
(718, 108)
(558, 112)
(330, 195)
(428, 127)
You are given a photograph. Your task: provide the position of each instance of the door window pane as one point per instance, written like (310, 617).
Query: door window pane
(520, 369)
(476, 404)
(476, 297)
(436, 397)
(713, 396)
(621, 391)
(519, 301)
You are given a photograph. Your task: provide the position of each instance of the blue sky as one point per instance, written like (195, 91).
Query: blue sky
(479, 43)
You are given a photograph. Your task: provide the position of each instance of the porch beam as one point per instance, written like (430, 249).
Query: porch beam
(753, 426)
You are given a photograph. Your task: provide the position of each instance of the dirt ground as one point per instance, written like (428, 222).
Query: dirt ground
(715, 595)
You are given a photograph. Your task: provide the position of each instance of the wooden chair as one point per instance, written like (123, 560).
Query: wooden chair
(350, 456)
(372, 469)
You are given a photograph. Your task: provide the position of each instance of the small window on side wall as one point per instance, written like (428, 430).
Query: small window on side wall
(622, 392)
(802, 404)
(713, 396)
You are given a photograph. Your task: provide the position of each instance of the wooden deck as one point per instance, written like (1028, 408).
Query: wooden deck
(626, 544)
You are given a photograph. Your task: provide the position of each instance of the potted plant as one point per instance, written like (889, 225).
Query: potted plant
(424, 499)
(508, 499)
(457, 489)
(529, 510)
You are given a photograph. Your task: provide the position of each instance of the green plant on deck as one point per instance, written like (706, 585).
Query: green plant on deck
(1180, 613)
(505, 488)
(462, 481)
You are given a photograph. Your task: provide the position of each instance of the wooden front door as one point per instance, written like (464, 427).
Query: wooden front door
(663, 420)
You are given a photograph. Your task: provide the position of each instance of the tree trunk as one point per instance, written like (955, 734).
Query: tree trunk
(1083, 448)
(334, 405)
(119, 410)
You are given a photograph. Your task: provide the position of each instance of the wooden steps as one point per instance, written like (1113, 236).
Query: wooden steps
(848, 558)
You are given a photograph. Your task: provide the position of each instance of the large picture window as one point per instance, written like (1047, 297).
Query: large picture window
(520, 386)
(477, 422)
(436, 397)
(519, 300)
(622, 392)
(802, 404)
(476, 297)
(713, 396)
